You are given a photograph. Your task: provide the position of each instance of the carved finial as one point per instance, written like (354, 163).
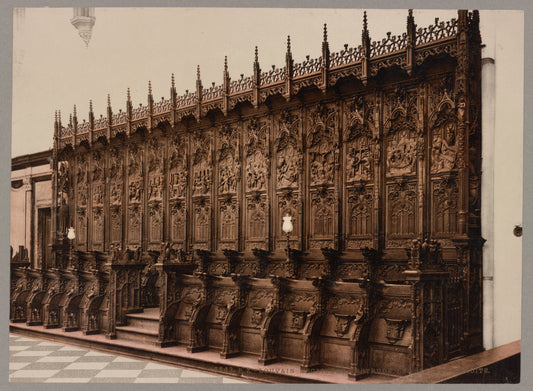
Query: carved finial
(128, 94)
(149, 87)
(74, 110)
(365, 35)
(108, 100)
(226, 64)
(288, 44)
(325, 32)
(173, 84)
(256, 55)
(90, 105)
(198, 72)
(411, 27)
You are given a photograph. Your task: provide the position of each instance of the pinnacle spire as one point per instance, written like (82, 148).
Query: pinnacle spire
(198, 72)
(226, 64)
(256, 55)
(365, 36)
(149, 87)
(172, 83)
(128, 95)
(108, 100)
(325, 32)
(288, 44)
(74, 110)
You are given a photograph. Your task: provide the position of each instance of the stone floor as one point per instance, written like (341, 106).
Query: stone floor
(31, 360)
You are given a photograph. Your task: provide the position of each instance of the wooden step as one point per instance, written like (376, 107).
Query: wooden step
(139, 334)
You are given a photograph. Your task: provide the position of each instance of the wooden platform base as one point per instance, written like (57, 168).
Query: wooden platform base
(243, 367)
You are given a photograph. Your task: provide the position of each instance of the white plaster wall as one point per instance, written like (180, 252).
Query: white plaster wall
(503, 32)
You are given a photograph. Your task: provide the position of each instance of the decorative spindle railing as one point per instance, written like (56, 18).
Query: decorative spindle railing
(240, 85)
(120, 117)
(388, 45)
(345, 57)
(100, 123)
(212, 92)
(187, 99)
(66, 132)
(273, 76)
(308, 66)
(162, 106)
(348, 56)
(140, 112)
(84, 127)
(436, 31)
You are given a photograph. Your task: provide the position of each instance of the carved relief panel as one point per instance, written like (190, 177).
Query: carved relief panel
(322, 145)
(97, 189)
(257, 221)
(444, 206)
(323, 218)
(444, 141)
(288, 162)
(201, 163)
(178, 184)
(228, 159)
(358, 133)
(202, 223)
(359, 217)
(178, 222)
(135, 193)
(401, 213)
(257, 166)
(82, 169)
(288, 151)
(116, 198)
(178, 167)
(257, 174)
(155, 191)
(401, 133)
(228, 224)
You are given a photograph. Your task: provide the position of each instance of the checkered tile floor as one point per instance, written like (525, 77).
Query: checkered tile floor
(31, 360)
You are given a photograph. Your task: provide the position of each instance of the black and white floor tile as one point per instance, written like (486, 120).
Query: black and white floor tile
(31, 360)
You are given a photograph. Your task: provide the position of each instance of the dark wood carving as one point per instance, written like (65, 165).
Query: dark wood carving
(374, 153)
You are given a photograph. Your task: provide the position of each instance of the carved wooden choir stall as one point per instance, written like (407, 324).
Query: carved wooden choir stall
(372, 157)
